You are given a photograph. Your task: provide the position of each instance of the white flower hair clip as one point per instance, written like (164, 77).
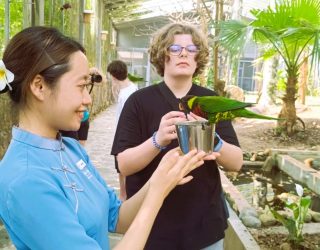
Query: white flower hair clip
(6, 76)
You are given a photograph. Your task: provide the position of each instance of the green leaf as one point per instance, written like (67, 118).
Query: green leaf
(305, 201)
(287, 222)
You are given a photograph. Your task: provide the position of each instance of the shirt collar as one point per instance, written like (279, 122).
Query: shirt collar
(165, 86)
(37, 141)
(172, 100)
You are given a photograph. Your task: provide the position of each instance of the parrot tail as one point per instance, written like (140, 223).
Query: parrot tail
(249, 114)
(229, 115)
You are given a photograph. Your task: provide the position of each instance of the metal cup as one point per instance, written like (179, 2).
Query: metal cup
(195, 134)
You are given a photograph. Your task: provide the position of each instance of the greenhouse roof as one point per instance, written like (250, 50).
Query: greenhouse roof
(127, 10)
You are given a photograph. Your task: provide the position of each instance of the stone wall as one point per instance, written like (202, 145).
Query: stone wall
(101, 98)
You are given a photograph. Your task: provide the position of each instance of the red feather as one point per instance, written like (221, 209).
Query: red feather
(198, 111)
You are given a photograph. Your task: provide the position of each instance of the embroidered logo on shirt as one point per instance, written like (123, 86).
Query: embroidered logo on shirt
(82, 166)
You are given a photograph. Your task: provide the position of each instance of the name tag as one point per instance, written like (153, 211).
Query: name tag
(81, 164)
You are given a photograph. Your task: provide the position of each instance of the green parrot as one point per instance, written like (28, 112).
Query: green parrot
(135, 78)
(218, 108)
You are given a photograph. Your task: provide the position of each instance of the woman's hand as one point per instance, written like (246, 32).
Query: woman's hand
(139, 212)
(167, 129)
(173, 170)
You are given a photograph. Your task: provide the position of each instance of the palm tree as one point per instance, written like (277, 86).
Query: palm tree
(288, 29)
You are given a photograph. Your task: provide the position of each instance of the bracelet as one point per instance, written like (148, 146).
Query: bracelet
(154, 142)
(217, 143)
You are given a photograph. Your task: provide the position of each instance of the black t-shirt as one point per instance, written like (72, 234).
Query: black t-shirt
(193, 215)
(81, 134)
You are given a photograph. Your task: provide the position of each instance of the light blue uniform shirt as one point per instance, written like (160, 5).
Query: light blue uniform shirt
(51, 196)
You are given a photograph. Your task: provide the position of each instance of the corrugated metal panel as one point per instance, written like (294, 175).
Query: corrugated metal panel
(254, 4)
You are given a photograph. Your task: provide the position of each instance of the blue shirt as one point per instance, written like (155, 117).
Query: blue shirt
(51, 196)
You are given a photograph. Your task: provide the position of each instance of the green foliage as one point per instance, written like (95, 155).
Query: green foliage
(278, 131)
(16, 21)
(314, 91)
(277, 86)
(288, 29)
(209, 79)
(196, 80)
(299, 210)
(281, 85)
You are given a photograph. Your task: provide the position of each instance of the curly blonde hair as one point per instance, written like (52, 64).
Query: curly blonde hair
(164, 37)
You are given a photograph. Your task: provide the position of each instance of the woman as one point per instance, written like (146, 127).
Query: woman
(51, 196)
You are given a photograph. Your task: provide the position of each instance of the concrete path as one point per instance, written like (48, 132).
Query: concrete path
(98, 146)
(99, 143)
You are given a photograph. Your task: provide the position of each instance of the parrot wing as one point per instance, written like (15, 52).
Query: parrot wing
(217, 104)
(229, 115)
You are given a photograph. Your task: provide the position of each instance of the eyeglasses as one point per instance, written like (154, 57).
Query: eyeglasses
(176, 49)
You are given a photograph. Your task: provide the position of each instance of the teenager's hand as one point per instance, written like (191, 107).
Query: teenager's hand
(173, 170)
(167, 129)
(213, 155)
(194, 117)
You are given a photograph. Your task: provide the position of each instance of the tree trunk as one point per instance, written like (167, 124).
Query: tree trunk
(258, 78)
(288, 111)
(219, 87)
(217, 81)
(203, 23)
(8, 117)
(265, 100)
(303, 79)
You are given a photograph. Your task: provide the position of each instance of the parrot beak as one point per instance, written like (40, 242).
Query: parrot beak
(181, 107)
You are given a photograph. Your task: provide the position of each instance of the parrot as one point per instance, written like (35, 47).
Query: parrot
(135, 78)
(218, 108)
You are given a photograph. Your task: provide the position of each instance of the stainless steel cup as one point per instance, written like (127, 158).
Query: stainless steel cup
(195, 134)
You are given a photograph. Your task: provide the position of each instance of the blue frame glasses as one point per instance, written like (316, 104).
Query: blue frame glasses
(176, 49)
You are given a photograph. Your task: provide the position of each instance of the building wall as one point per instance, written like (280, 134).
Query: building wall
(128, 38)
(133, 40)
(246, 70)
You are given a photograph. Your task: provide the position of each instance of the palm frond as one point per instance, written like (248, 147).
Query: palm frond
(269, 53)
(289, 27)
(233, 35)
(315, 54)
